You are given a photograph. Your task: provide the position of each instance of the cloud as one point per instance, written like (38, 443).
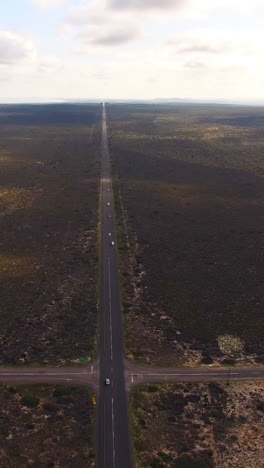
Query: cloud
(50, 64)
(147, 4)
(196, 46)
(45, 4)
(95, 25)
(195, 65)
(109, 38)
(15, 49)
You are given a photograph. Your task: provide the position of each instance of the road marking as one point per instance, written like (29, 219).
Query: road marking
(57, 374)
(113, 432)
(186, 373)
(132, 378)
(104, 433)
(91, 369)
(110, 307)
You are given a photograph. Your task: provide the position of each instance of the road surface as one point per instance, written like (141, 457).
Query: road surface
(113, 423)
(75, 375)
(136, 374)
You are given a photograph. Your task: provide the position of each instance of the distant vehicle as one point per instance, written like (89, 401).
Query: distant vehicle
(108, 204)
(107, 381)
(93, 400)
(112, 243)
(108, 190)
(109, 233)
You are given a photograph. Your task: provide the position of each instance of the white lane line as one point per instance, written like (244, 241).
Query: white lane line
(132, 378)
(92, 370)
(223, 374)
(57, 374)
(110, 308)
(104, 436)
(113, 432)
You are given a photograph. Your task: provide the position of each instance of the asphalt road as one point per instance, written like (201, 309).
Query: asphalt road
(134, 374)
(139, 374)
(79, 375)
(113, 423)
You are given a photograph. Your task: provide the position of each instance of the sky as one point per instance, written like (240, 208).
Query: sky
(131, 49)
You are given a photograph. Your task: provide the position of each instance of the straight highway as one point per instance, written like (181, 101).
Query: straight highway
(113, 423)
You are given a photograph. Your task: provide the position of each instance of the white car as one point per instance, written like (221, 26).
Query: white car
(108, 190)
(109, 233)
(112, 243)
(107, 381)
(108, 204)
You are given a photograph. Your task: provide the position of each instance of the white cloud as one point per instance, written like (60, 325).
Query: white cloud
(95, 25)
(45, 4)
(147, 4)
(50, 64)
(15, 49)
(112, 37)
(196, 45)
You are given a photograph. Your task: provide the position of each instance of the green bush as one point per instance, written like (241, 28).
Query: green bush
(30, 401)
(186, 461)
(61, 390)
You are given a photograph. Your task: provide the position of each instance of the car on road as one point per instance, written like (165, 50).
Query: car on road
(112, 243)
(107, 381)
(108, 190)
(109, 233)
(108, 204)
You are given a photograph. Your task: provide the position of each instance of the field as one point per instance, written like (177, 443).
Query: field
(46, 426)
(189, 198)
(49, 191)
(199, 425)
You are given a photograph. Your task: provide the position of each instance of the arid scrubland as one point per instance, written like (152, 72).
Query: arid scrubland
(199, 425)
(49, 192)
(46, 426)
(189, 199)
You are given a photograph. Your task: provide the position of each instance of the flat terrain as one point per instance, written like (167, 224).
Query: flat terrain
(49, 192)
(189, 199)
(199, 425)
(46, 426)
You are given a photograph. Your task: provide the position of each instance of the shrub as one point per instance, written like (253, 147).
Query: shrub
(30, 401)
(61, 390)
(50, 406)
(12, 389)
(186, 461)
